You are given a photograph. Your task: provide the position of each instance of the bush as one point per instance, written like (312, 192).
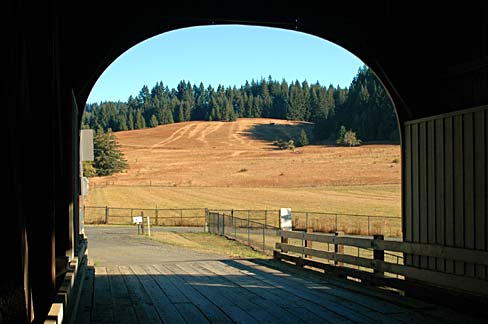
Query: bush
(347, 138)
(285, 145)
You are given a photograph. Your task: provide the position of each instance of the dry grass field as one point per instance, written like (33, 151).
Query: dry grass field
(229, 165)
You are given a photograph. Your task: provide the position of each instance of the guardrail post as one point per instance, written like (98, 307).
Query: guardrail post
(338, 248)
(308, 244)
(378, 255)
(248, 231)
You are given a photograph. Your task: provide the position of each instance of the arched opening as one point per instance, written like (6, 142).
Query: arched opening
(226, 147)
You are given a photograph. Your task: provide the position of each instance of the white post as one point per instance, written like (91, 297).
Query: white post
(148, 226)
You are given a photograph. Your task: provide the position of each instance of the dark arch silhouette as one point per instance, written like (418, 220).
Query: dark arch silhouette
(432, 59)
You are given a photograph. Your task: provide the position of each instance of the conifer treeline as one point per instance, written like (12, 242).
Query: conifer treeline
(364, 107)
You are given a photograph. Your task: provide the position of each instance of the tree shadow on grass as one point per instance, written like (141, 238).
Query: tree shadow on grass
(272, 132)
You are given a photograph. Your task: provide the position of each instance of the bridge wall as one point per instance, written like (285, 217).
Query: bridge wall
(445, 187)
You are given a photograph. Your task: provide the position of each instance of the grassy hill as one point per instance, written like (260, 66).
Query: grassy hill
(235, 165)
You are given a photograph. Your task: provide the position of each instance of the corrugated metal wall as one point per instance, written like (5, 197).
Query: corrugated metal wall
(445, 186)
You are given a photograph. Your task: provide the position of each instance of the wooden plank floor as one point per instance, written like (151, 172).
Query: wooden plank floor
(242, 291)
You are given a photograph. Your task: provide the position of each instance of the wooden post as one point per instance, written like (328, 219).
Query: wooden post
(248, 231)
(156, 216)
(338, 249)
(265, 218)
(223, 224)
(308, 244)
(142, 224)
(106, 214)
(378, 255)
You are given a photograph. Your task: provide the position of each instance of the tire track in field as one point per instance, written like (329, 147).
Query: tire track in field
(209, 129)
(175, 136)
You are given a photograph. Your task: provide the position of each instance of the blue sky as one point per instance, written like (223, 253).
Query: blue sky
(227, 55)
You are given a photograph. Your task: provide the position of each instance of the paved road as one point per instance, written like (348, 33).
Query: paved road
(118, 245)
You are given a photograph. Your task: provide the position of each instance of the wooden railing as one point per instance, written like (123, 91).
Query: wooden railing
(371, 264)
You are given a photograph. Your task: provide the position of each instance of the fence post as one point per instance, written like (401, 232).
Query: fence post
(279, 219)
(368, 226)
(156, 216)
(142, 224)
(264, 238)
(338, 248)
(248, 231)
(223, 224)
(205, 226)
(378, 255)
(181, 217)
(106, 214)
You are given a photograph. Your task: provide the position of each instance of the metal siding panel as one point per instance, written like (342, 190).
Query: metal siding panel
(480, 221)
(408, 189)
(424, 194)
(431, 202)
(415, 190)
(449, 188)
(468, 163)
(440, 197)
(458, 187)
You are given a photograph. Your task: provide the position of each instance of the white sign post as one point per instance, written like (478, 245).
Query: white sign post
(285, 217)
(138, 221)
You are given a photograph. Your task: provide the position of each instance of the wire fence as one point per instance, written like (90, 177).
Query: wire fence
(351, 224)
(263, 237)
(159, 216)
(257, 235)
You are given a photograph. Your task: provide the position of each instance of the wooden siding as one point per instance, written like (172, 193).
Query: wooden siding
(445, 187)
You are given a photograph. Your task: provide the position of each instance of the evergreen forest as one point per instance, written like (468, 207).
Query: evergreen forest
(364, 107)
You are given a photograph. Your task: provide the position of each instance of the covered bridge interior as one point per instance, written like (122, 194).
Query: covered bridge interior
(432, 58)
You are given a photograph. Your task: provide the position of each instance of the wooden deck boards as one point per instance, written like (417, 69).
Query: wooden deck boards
(241, 291)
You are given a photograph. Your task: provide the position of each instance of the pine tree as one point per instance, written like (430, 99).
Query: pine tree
(302, 139)
(108, 159)
(139, 122)
(154, 121)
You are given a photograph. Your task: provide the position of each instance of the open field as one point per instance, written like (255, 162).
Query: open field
(381, 200)
(234, 165)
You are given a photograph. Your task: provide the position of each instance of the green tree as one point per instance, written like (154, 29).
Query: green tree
(302, 139)
(154, 121)
(108, 158)
(140, 122)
